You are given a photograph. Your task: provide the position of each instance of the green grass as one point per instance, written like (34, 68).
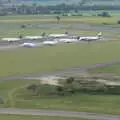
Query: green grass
(111, 69)
(30, 117)
(17, 96)
(36, 24)
(48, 59)
(109, 104)
(7, 88)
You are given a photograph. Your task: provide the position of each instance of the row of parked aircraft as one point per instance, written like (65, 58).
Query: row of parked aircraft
(66, 40)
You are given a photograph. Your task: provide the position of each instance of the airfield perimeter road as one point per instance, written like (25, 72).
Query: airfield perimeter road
(86, 115)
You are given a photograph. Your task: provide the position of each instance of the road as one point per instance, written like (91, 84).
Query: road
(86, 115)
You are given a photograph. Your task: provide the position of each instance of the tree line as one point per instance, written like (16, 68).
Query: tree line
(52, 9)
(72, 86)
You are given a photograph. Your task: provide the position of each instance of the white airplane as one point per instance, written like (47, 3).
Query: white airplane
(57, 35)
(11, 39)
(50, 43)
(33, 37)
(67, 40)
(28, 45)
(90, 38)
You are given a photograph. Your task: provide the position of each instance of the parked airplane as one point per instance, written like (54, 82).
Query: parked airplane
(28, 45)
(57, 35)
(89, 38)
(67, 40)
(50, 43)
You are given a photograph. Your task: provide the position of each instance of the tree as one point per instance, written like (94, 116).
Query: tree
(118, 22)
(58, 19)
(83, 2)
(59, 89)
(43, 34)
(20, 36)
(23, 26)
(69, 80)
(104, 14)
(32, 87)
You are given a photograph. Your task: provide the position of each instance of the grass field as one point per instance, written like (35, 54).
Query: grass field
(36, 24)
(109, 104)
(111, 69)
(8, 88)
(26, 117)
(45, 59)
(18, 97)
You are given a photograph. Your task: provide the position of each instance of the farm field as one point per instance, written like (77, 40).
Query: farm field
(48, 59)
(30, 117)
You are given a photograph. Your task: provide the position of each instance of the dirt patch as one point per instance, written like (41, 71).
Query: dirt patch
(51, 80)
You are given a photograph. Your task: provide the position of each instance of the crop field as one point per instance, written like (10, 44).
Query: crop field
(48, 59)
(37, 24)
(30, 117)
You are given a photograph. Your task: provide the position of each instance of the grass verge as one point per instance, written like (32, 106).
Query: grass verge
(48, 59)
(21, 98)
(7, 89)
(111, 69)
(109, 104)
(26, 117)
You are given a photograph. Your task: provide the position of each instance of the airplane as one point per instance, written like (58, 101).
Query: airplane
(11, 39)
(90, 38)
(50, 43)
(57, 35)
(30, 45)
(67, 40)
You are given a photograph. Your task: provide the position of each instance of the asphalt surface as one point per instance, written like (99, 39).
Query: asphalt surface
(41, 112)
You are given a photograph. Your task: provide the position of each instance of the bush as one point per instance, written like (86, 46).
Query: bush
(43, 34)
(104, 14)
(32, 87)
(23, 26)
(118, 22)
(69, 80)
(1, 100)
(20, 36)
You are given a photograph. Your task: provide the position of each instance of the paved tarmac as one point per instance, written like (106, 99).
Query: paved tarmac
(95, 116)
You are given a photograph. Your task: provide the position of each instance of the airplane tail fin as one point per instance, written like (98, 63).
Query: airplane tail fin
(99, 35)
